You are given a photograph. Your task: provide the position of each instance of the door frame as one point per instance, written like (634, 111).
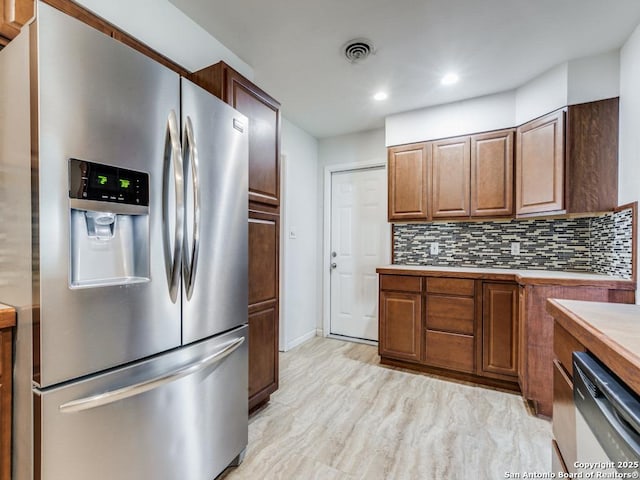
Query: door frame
(326, 244)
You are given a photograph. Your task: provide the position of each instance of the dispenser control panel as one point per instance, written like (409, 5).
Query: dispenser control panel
(94, 181)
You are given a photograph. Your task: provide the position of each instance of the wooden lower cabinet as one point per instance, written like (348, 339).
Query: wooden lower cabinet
(264, 236)
(263, 354)
(564, 447)
(537, 337)
(400, 325)
(452, 351)
(438, 323)
(6, 357)
(500, 341)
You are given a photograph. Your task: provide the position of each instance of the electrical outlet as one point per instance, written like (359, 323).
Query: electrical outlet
(435, 248)
(515, 248)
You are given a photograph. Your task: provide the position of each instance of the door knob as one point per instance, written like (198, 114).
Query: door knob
(334, 265)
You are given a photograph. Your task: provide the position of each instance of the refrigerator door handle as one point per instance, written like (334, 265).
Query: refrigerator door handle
(142, 387)
(190, 258)
(173, 156)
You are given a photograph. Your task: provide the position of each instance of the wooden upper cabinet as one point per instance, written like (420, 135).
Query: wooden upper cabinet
(450, 178)
(13, 15)
(591, 167)
(408, 179)
(263, 113)
(492, 174)
(540, 165)
(264, 133)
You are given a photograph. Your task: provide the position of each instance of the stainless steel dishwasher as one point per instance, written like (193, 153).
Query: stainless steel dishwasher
(607, 421)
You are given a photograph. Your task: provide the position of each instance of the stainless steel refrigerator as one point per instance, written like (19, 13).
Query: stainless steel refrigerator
(123, 196)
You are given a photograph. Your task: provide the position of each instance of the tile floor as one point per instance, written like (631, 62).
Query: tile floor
(340, 415)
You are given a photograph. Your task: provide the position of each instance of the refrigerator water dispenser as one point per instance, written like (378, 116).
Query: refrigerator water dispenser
(109, 220)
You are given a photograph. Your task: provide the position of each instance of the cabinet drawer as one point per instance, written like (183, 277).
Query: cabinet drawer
(451, 286)
(449, 350)
(564, 414)
(564, 344)
(450, 314)
(402, 283)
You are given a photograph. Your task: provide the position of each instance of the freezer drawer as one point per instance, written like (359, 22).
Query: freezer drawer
(180, 415)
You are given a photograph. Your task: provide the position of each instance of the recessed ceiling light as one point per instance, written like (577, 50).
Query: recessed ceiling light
(380, 96)
(450, 79)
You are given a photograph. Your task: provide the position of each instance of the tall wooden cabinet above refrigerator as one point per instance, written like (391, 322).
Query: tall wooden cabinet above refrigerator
(264, 220)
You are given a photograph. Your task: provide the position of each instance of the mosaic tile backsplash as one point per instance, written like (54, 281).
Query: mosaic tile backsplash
(600, 244)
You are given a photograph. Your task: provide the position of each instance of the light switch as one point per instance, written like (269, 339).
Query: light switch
(293, 234)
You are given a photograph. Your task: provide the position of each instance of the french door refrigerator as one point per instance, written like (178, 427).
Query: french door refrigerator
(123, 190)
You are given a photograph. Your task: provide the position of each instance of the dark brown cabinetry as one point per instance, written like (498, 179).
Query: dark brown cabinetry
(567, 161)
(540, 165)
(450, 324)
(409, 168)
(564, 413)
(400, 321)
(437, 324)
(7, 322)
(470, 176)
(450, 178)
(263, 113)
(537, 336)
(492, 174)
(591, 165)
(6, 370)
(500, 341)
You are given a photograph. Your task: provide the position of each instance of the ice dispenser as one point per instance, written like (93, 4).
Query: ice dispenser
(109, 209)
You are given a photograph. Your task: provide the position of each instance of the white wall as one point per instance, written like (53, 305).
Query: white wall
(299, 274)
(577, 81)
(171, 32)
(356, 148)
(543, 94)
(491, 112)
(629, 146)
(594, 78)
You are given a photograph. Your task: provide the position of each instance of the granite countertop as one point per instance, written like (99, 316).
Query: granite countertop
(535, 277)
(611, 331)
(7, 316)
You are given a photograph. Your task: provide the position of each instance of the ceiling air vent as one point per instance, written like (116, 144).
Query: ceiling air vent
(357, 50)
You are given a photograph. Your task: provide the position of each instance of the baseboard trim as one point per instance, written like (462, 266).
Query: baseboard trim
(300, 340)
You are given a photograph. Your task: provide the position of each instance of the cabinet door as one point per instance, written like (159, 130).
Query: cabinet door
(500, 330)
(400, 325)
(264, 136)
(492, 174)
(263, 354)
(408, 180)
(564, 415)
(450, 178)
(264, 231)
(540, 165)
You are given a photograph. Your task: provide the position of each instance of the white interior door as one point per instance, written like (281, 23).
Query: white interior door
(360, 237)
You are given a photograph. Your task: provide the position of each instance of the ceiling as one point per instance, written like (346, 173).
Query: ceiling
(295, 49)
